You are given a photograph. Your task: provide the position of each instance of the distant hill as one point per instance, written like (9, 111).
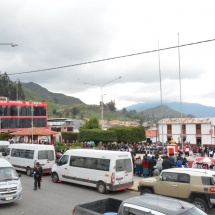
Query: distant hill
(192, 109)
(35, 92)
(162, 112)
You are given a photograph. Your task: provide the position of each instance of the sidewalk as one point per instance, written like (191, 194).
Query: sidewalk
(136, 182)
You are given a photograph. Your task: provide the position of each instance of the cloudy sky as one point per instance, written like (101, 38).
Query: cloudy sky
(60, 34)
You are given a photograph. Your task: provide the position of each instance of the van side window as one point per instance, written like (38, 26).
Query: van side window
(90, 163)
(22, 153)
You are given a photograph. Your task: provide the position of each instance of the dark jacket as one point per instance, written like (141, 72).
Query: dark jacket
(166, 163)
(38, 172)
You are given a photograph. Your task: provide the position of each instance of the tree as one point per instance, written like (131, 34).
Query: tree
(74, 111)
(111, 106)
(124, 110)
(92, 123)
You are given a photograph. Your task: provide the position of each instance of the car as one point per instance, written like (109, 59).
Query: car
(196, 186)
(157, 205)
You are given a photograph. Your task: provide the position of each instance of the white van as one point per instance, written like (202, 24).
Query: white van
(104, 170)
(3, 146)
(24, 156)
(10, 184)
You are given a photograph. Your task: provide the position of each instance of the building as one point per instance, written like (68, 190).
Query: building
(16, 115)
(196, 131)
(64, 124)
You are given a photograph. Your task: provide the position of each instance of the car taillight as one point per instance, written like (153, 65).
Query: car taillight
(113, 178)
(73, 212)
(212, 189)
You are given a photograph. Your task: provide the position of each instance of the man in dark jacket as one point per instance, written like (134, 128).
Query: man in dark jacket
(38, 174)
(153, 163)
(166, 163)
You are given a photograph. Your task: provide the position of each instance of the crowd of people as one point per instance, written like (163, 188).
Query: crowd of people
(152, 165)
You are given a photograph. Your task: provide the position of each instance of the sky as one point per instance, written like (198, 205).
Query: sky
(59, 42)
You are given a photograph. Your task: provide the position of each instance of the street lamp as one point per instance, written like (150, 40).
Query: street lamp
(101, 86)
(32, 126)
(8, 44)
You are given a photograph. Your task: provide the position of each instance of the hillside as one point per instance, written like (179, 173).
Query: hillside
(39, 93)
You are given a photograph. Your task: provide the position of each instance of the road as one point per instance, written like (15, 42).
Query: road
(55, 199)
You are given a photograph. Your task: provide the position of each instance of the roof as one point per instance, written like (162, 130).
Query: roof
(36, 131)
(162, 204)
(191, 171)
(185, 120)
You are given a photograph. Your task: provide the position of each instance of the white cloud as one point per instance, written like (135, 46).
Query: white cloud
(53, 33)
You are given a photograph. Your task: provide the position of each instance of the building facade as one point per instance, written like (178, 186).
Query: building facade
(196, 131)
(16, 115)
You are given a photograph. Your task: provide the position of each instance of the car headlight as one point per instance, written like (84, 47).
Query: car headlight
(19, 187)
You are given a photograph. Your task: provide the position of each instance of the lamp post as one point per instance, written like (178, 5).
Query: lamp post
(101, 86)
(8, 44)
(32, 123)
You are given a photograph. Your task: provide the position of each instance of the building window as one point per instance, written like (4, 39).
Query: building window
(183, 129)
(198, 129)
(169, 129)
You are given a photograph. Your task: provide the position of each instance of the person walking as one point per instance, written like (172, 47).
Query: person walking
(38, 174)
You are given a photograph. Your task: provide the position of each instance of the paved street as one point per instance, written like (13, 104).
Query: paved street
(60, 198)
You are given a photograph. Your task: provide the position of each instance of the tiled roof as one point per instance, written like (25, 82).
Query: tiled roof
(36, 131)
(184, 120)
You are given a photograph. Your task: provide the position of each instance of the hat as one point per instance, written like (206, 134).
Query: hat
(155, 167)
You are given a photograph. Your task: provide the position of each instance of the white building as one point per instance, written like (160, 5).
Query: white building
(193, 130)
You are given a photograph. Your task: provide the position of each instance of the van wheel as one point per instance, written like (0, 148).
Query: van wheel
(145, 191)
(55, 177)
(28, 171)
(201, 204)
(101, 187)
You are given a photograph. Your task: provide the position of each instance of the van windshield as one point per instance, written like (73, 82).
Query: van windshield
(8, 173)
(3, 148)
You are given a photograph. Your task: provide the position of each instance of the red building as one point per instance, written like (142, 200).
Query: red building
(16, 115)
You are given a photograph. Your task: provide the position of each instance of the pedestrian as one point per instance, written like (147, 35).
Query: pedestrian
(145, 165)
(156, 172)
(166, 163)
(38, 174)
(139, 168)
(152, 163)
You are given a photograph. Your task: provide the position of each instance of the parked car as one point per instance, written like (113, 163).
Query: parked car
(145, 205)
(193, 185)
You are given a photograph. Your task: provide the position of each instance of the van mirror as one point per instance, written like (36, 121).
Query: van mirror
(19, 174)
(59, 163)
(4, 154)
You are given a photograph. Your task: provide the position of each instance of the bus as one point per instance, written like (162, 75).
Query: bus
(104, 170)
(24, 156)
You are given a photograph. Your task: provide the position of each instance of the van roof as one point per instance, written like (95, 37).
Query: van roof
(4, 163)
(4, 142)
(29, 146)
(95, 152)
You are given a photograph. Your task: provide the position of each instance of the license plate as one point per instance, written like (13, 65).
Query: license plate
(9, 198)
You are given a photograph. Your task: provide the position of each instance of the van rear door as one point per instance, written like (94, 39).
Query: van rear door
(124, 171)
(46, 159)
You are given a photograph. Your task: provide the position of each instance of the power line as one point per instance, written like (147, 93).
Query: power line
(112, 58)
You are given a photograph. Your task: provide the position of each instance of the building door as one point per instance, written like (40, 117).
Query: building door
(198, 141)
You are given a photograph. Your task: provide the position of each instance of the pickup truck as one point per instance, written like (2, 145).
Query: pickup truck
(150, 204)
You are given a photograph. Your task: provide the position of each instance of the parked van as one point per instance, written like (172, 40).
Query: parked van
(104, 170)
(3, 146)
(24, 156)
(10, 184)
